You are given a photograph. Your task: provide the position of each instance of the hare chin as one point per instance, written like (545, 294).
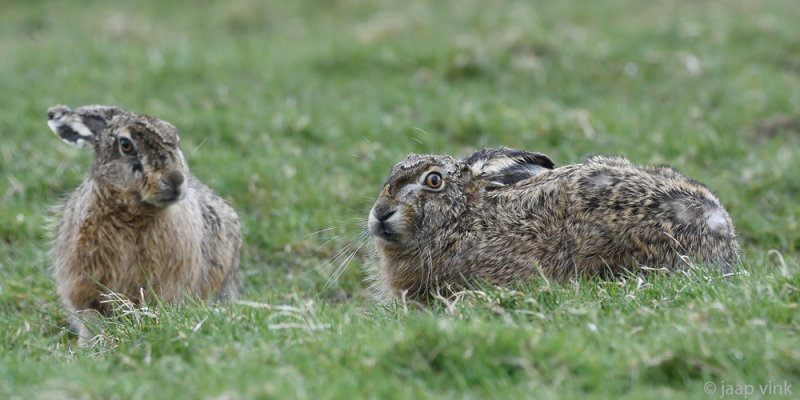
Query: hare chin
(390, 245)
(162, 203)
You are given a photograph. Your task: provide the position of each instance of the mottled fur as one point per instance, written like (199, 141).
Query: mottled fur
(603, 216)
(140, 221)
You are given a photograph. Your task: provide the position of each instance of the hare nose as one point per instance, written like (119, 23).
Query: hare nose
(174, 179)
(383, 215)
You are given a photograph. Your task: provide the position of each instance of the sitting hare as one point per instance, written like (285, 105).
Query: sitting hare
(140, 223)
(500, 214)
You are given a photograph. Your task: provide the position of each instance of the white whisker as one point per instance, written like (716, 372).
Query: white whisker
(320, 231)
(343, 265)
(324, 244)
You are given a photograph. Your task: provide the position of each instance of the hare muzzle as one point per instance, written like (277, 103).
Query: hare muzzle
(164, 190)
(172, 187)
(386, 222)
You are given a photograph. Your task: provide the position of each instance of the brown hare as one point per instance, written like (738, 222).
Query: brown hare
(140, 223)
(501, 215)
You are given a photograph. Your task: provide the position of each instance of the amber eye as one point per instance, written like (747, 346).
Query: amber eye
(126, 145)
(434, 180)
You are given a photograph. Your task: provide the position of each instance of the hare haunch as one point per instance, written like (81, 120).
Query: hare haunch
(500, 214)
(140, 223)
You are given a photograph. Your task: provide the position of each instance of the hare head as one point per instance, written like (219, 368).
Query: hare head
(425, 194)
(137, 155)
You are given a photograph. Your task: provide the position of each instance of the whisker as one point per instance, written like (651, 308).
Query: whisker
(343, 265)
(324, 244)
(336, 257)
(320, 231)
(419, 130)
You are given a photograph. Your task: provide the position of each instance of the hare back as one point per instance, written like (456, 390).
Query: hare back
(609, 214)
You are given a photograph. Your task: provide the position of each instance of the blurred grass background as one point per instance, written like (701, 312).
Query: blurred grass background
(295, 111)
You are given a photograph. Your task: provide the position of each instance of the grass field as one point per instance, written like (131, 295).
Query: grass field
(295, 111)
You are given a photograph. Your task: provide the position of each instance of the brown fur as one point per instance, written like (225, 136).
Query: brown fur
(140, 221)
(603, 216)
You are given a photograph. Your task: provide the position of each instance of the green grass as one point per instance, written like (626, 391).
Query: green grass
(295, 111)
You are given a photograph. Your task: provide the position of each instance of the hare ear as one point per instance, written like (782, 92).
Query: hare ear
(82, 125)
(504, 166)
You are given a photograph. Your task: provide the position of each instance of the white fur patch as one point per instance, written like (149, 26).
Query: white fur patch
(682, 214)
(496, 165)
(715, 219)
(79, 128)
(53, 126)
(82, 130)
(407, 190)
(600, 180)
(78, 143)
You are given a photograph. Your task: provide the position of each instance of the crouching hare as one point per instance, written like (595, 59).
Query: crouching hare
(500, 214)
(140, 223)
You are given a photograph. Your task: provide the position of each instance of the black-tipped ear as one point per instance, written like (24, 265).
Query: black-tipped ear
(504, 166)
(80, 126)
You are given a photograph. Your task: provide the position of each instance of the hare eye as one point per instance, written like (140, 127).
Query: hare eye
(434, 180)
(126, 145)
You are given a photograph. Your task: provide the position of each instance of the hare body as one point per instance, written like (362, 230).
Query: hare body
(140, 223)
(484, 220)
